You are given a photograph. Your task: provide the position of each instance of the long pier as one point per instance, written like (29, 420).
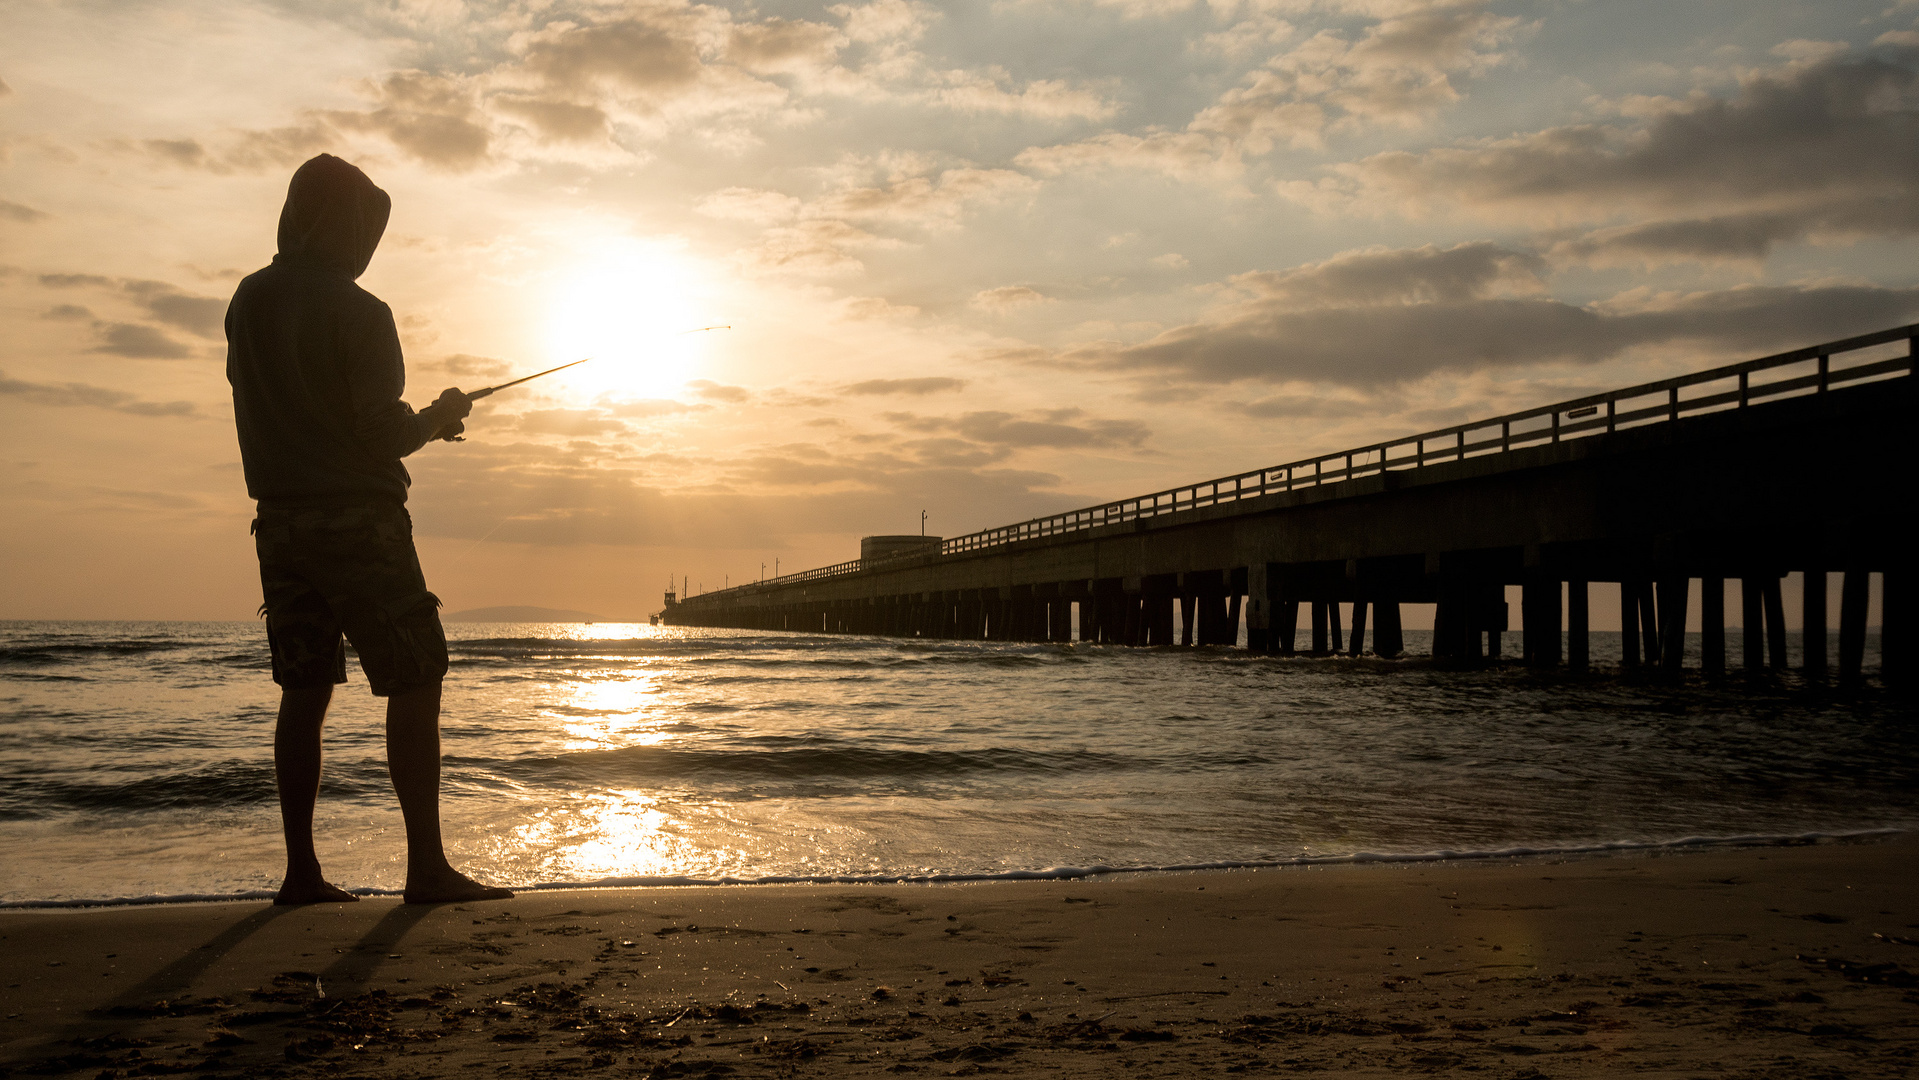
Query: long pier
(1796, 462)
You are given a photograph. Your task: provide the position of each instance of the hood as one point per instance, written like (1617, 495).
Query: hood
(334, 217)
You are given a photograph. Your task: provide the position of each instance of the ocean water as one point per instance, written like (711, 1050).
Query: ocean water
(136, 759)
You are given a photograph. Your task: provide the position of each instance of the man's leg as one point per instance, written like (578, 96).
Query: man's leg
(296, 768)
(413, 760)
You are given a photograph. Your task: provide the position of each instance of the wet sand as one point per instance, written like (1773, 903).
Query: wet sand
(1789, 962)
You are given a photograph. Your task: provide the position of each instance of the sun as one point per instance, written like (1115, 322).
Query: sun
(627, 304)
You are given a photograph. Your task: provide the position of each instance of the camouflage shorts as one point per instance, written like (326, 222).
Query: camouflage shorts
(347, 569)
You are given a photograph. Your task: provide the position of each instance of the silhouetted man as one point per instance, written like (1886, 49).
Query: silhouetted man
(317, 374)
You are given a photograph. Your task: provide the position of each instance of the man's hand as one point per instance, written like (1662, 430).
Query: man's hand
(453, 403)
(447, 412)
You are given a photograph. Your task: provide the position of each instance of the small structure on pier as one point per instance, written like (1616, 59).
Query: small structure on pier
(1788, 463)
(875, 549)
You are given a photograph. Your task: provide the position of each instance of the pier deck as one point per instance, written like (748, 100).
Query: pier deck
(1791, 462)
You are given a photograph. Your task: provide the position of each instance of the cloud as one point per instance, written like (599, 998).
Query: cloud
(75, 281)
(1398, 72)
(67, 312)
(930, 384)
(431, 118)
(649, 59)
(1009, 298)
(244, 150)
(648, 408)
(1827, 149)
(821, 248)
(870, 308)
(822, 237)
(555, 121)
(1052, 428)
(765, 495)
(789, 46)
(13, 211)
(467, 364)
(577, 422)
(139, 342)
(749, 204)
(1380, 317)
(886, 21)
(1299, 406)
(1421, 275)
(924, 200)
(713, 391)
(1182, 154)
(98, 397)
(204, 316)
(1050, 99)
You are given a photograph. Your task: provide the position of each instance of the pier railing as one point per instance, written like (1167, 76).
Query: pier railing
(1811, 370)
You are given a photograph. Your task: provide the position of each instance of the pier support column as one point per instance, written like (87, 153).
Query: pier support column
(1389, 640)
(1578, 626)
(1648, 622)
(1492, 615)
(1229, 633)
(1358, 646)
(1159, 623)
(1812, 636)
(1672, 620)
(1456, 621)
(1712, 625)
(1286, 625)
(1259, 608)
(1334, 634)
(1752, 612)
(1210, 620)
(1775, 623)
(1319, 627)
(1188, 609)
(1855, 595)
(1895, 640)
(1628, 625)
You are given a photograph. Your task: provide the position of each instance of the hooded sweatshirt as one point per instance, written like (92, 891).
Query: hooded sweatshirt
(314, 360)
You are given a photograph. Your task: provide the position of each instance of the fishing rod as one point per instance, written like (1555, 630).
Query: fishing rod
(489, 391)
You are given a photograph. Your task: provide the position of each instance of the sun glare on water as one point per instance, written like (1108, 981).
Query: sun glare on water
(627, 304)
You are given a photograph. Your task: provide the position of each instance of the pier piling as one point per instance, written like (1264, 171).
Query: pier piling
(1578, 626)
(1812, 634)
(1775, 623)
(1712, 625)
(1855, 593)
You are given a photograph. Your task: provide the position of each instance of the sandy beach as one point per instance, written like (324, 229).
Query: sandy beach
(1773, 961)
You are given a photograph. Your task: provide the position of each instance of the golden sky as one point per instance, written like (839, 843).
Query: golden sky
(986, 259)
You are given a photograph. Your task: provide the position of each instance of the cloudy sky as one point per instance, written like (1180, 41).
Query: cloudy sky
(985, 258)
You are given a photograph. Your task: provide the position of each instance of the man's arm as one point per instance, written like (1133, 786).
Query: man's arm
(386, 426)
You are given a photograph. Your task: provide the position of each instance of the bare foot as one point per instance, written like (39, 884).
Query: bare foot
(312, 892)
(449, 886)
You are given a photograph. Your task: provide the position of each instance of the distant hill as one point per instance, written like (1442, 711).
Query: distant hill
(522, 613)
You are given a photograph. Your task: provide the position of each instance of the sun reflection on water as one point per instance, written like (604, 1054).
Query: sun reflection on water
(614, 833)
